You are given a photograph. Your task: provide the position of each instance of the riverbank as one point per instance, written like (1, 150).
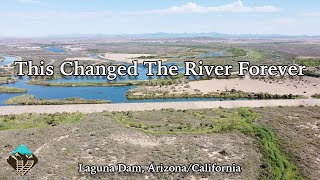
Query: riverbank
(235, 88)
(7, 80)
(90, 108)
(82, 84)
(136, 94)
(3, 59)
(29, 99)
(4, 89)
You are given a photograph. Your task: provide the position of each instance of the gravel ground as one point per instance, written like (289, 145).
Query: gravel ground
(89, 108)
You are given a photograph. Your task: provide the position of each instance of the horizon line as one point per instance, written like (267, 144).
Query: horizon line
(191, 34)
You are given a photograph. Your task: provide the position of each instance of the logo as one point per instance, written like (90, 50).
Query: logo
(22, 160)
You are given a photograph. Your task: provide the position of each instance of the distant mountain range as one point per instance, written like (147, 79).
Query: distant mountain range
(211, 34)
(178, 35)
(189, 35)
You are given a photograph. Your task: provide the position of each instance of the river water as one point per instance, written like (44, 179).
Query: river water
(7, 60)
(56, 50)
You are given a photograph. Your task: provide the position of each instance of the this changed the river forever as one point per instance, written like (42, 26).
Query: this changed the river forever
(155, 68)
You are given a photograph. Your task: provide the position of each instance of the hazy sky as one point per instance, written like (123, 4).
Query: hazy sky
(56, 17)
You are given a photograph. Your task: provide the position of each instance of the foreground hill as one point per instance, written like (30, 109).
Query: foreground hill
(268, 143)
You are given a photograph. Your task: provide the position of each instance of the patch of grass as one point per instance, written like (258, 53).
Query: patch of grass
(310, 62)
(275, 163)
(31, 120)
(4, 89)
(237, 52)
(223, 123)
(296, 129)
(256, 55)
(29, 99)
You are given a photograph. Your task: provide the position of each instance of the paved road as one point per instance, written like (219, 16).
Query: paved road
(89, 108)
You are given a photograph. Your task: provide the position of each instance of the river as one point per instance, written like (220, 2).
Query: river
(7, 60)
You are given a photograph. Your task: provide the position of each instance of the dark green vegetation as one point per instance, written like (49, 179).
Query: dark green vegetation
(82, 84)
(26, 121)
(310, 62)
(147, 57)
(297, 130)
(166, 81)
(237, 52)
(312, 73)
(313, 66)
(230, 94)
(317, 96)
(7, 80)
(276, 164)
(192, 52)
(4, 89)
(232, 55)
(29, 99)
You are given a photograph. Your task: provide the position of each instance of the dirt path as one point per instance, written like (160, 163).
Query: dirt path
(89, 108)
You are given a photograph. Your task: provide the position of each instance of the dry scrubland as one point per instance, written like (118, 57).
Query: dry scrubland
(269, 143)
(306, 87)
(99, 139)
